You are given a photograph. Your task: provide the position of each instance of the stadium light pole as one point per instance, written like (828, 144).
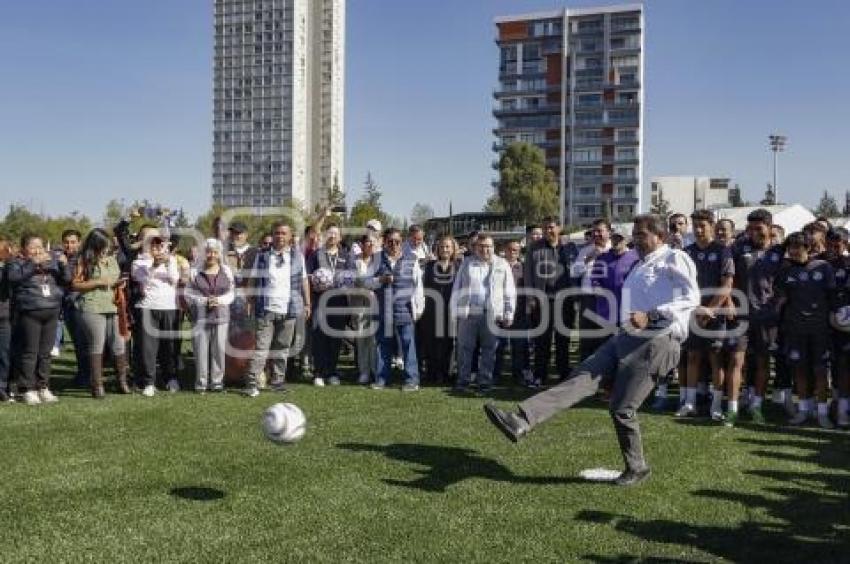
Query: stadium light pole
(777, 145)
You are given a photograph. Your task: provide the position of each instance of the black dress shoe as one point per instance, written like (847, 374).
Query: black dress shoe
(632, 477)
(510, 424)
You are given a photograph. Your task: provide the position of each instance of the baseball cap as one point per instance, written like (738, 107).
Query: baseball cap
(238, 227)
(374, 225)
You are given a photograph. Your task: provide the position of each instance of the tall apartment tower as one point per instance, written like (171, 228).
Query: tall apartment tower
(279, 85)
(571, 82)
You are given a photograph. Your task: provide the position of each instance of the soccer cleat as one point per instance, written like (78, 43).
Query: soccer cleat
(799, 418)
(824, 421)
(510, 424)
(632, 477)
(173, 385)
(149, 391)
(410, 388)
(251, 392)
(756, 415)
(687, 410)
(333, 381)
(363, 379)
(717, 416)
(55, 352)
(46, 396)
(31, 398)
(377, 385)
(730, 419)
(319, 382)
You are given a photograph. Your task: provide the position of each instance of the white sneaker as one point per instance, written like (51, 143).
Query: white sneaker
(363, 379)
(824, 421)
(687, 410)
(319, 382)
(173, 385)
(333, 381)
(799, 418)
(46, 396)
(55, 352)
(149, 391)
(717, 415)
(31, 398)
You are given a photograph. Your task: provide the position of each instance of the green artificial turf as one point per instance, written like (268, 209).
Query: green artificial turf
(383, 476)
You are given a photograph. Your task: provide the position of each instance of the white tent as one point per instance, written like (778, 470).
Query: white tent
(792, 217)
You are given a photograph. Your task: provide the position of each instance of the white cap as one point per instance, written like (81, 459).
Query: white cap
(213, 244)
(374, 225)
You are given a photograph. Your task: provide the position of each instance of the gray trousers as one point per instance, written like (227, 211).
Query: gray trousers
(209, 341)
(366, 347)
(473, 330)
(632, 364)
(100, 330)
(275, 334)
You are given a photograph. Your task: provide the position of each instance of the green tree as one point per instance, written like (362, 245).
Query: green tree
(827, 207)
(527, 190)
(421, 213)
(368, 206)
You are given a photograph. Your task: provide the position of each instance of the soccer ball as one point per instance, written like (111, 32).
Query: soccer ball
(284, 423)
(345, 279)
(322, 279)
(841, 319)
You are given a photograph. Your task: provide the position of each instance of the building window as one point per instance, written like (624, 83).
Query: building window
(629, 153)
(584, 172)
(625, 190)
(625, 172)
(626, 135)
(586, 191)
(587, 155)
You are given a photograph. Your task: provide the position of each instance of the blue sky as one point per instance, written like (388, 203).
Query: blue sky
(112, 98)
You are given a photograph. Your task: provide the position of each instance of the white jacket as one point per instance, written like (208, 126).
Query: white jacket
(501, 291)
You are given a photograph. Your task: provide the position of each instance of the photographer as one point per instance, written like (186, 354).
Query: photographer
(36, 281)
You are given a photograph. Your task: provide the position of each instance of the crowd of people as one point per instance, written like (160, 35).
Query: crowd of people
(444, 312)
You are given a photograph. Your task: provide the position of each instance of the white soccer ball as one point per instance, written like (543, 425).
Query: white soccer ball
(841, 319)
(322, 279)
(345, 278)
(284, 423)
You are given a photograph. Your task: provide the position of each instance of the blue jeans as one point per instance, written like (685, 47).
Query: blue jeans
(473, 331)
(71, 316)
(386, 349)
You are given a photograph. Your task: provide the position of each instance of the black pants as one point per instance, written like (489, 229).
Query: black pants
(153, 333)
(325, 347)
(36, 335)
(543, 343)
(5, 344)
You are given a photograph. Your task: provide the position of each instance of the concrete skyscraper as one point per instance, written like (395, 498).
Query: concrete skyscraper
(279, 86)
(571, 82)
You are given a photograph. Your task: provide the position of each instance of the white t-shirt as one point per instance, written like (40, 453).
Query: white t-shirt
(280, 271)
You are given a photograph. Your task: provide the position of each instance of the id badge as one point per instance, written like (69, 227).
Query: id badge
(45, 290)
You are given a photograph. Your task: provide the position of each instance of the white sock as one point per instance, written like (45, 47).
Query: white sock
(756, 400)
(732, 406)
(690, 396)
(661, 392)
(682, 394)
(823, 408)
(803, 405)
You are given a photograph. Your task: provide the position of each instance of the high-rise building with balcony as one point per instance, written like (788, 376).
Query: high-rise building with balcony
(279, 81)
(571, 82)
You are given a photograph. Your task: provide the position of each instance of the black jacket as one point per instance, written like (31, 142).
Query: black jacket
(26, 280)
(548, 268)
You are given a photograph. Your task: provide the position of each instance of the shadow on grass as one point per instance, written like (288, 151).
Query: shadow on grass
(792, 515)
(447, 466)
(197, 493)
